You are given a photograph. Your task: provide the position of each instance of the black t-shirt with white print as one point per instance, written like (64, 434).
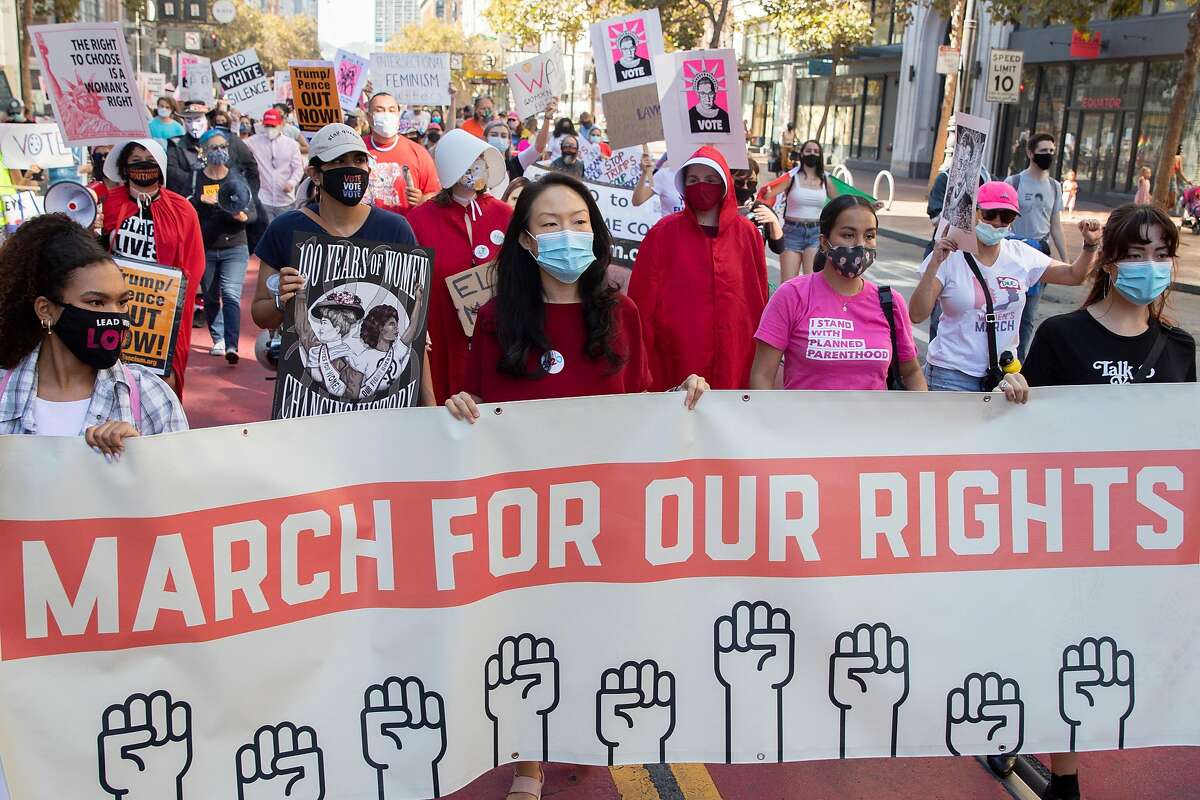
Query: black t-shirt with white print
(1075, 349)
(135, 237)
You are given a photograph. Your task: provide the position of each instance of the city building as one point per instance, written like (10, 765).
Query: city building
(391, 16)
(1109, 113)
(10, 58)
(287, 8)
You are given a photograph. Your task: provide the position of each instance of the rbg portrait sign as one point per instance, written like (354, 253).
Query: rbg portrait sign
(356, 623)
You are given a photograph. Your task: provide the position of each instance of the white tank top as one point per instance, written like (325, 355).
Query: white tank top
(803, 202)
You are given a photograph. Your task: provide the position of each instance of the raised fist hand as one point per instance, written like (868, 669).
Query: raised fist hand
(985, 717)
(868, 680)
(1096, 691)
(404, 737)
(282, 763)
(145, 747)
(635, 710)
(755, 659)
(521, 682)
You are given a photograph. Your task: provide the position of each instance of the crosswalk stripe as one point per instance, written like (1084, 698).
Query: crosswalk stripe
(695, 782)
(633, 782)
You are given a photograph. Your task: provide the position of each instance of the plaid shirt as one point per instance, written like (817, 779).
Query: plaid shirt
(160, 412)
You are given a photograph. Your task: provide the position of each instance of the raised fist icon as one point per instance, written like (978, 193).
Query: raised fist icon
(755, 659)
(1095, 687)
(282, 763)
(868, 681)
(985, 717)
(521, 689)
(404, 737)
(635, 709)
(145, 747)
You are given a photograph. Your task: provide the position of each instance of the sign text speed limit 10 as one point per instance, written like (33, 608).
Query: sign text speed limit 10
(1004, 76)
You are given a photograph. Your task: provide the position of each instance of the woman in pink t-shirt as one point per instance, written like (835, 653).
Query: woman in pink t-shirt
(830, 326)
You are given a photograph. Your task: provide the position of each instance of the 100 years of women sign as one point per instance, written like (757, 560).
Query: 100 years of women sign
(386, 604)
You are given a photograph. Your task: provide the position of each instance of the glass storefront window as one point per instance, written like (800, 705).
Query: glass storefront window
(882, 21)
(872, 117)
(1107, 87)
(1160, 87)
(1053, 97)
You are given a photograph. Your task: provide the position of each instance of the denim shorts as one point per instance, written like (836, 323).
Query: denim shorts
(800, 236)
(941, 379)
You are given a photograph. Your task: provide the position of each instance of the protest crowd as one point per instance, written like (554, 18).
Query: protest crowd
(478, 267)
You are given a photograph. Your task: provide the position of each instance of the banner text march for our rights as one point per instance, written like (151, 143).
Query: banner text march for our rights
(773, 576)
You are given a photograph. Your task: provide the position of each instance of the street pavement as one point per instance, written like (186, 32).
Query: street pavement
(219, 394)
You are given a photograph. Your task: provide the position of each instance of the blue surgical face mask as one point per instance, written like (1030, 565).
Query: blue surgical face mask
(988, 235)
(164, 112)
(1141, 282)
(498, 142)
(566, 255)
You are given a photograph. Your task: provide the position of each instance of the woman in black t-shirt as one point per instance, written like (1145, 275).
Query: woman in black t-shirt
(1113, 339)
(1120, 328)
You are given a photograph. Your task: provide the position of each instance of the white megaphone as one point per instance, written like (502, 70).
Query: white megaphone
(72, 199)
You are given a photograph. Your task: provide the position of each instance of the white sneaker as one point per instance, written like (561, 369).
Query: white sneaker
(218, 349)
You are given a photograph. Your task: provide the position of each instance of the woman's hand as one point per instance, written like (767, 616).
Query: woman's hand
(647, 164)
(1015, 388)
(241, 216)
(694, 386)
(1091, 230)
(109, 438)
(290, 282)
(763, 215)
(208, 199)
(942, 251)
(462, 406)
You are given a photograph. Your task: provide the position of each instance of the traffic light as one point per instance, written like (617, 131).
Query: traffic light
(211, 42)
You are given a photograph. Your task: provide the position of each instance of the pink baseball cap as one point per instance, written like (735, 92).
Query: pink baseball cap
(998, 194)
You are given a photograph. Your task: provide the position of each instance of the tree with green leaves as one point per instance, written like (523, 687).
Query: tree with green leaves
(442, 37)
(683, 21)
(822, 27)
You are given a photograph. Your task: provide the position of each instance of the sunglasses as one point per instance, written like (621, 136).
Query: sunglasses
(1005, 216)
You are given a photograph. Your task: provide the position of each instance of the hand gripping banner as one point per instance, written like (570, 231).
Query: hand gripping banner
(386, 604)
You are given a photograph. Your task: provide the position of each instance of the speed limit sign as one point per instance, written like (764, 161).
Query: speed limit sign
(1004, 76)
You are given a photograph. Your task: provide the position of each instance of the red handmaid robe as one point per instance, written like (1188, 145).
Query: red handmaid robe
(701, 298)
(443, 229)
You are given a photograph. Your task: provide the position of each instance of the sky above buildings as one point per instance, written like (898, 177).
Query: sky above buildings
(347, 23)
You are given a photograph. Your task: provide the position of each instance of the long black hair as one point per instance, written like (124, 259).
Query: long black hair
(820, 158)
(519, 304)
(37, 261)
(829, 217)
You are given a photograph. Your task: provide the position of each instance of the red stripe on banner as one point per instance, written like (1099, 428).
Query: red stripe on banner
(105, 584)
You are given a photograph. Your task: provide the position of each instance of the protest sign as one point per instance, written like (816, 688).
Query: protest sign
(633, 116)
(962, 184)
(24, 146)
(536, 81)
(158, 295)
(627, 223)
(315, 95)
(244, 84)
(403, 601)
(623, 168)
(348, 337)
(283, 86)
(624, 49)
(153, 86)
(701, 101)
(195, 78)
(18, 206)
(351, 72)
(413, 78)
(469, 290)
(87, 74)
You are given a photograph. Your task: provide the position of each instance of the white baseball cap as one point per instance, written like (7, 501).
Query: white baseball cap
(110, 160)
(334, 141)
(458, 150)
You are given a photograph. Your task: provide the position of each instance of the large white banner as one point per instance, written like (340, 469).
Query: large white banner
(290, 609)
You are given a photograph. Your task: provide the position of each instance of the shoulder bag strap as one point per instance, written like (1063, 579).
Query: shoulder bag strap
(990, 317)
(1160, 341)
(885, 300)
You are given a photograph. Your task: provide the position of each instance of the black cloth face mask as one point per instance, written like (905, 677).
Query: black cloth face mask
(1043, 160)
(94, 337)
(347, 185)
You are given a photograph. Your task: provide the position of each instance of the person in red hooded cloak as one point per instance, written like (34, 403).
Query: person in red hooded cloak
(700, 282)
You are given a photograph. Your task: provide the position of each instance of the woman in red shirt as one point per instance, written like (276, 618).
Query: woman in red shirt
(556, 328)
(464, 226)
(145, 221)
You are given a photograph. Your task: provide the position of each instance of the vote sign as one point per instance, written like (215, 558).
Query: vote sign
(1004, 76)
